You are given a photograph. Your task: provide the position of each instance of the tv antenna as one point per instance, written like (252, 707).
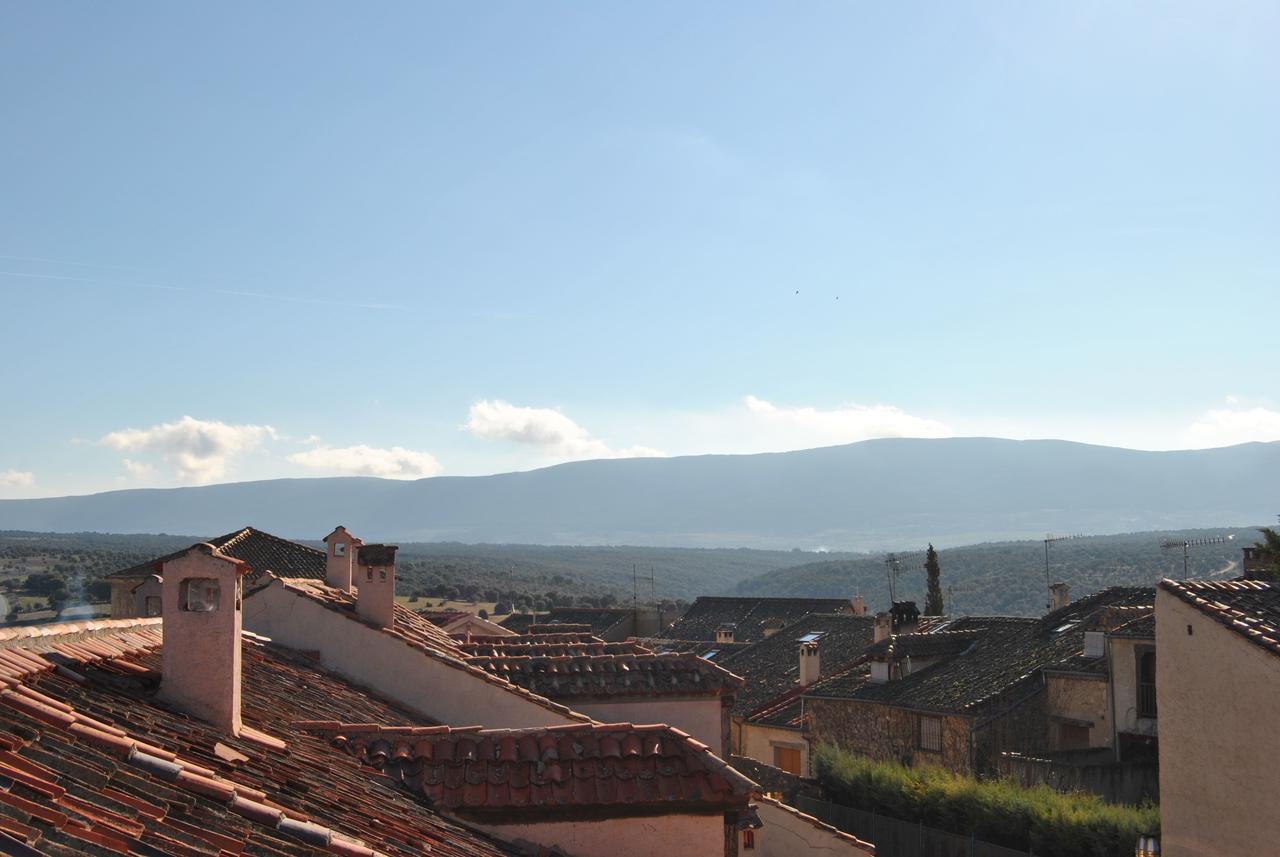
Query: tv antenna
(1188, 544)
(1049, 539)
(893, 567)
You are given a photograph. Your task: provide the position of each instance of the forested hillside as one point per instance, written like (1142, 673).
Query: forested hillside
(1009, 577)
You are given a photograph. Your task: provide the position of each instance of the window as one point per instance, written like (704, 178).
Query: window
(748, 840)
(340, 549)
(930, 733)
(151, 605)
(200, 594)
(787, 759)
(1146, 683)
(811, 637)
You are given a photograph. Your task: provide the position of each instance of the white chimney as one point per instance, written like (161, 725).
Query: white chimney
(883, 627)
(810, 663)
(200, 658)
(1059, 596)
(859, 606)
(1094, 644)
(340, 548)
(375, 573)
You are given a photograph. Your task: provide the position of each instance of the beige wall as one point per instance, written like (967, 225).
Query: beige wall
(1217, 694)
(657, 836)
(787, 833)
(388, 665)
(1124, 678)
(699, 717)
(758, 743)
(122, 604)
(1078, 698)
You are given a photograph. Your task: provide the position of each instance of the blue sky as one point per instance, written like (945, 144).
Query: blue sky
(253, 240)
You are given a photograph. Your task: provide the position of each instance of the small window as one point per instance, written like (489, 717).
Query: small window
(340, 549)
(810, 637)
(930, 733)
(151, 606)
(368, 573)
(711, 655)
(1146, 683)
(382, 573)
(200, 594)
(748, 840)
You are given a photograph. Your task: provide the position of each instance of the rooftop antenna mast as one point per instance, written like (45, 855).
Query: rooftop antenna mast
(1050, 538)
(893, 567)
(1188, 544)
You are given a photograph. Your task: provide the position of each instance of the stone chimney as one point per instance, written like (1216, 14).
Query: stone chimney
(340, 548)
(200, 658)
(375, 573)
(906, 617)
(810, 663)
(859, 606)
(724, 634)
(1059, 596)
(883, 627)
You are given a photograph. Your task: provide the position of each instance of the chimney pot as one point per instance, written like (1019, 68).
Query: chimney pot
(810, 663)
(340, 548)
(859, 606)
(200, 658)
(1059, 596)
(883, 627)
(724, 634)
(375, 573)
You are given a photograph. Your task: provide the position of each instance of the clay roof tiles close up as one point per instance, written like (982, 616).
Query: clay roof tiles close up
(1251, 608)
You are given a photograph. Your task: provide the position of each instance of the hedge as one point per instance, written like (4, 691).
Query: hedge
(1038, 819)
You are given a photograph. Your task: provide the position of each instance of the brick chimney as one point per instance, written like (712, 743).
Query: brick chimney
(1059, 596)
(883, 627)
(859, 606)
(340, 548)
(810, 663)
(375, 573)
(200, 658)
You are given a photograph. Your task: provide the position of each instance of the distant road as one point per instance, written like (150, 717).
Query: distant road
(1226, 569)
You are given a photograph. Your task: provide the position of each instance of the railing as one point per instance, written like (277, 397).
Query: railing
(894, 837)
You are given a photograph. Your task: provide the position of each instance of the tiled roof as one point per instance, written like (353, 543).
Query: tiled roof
(551, 772)
(573, 667)
(418, 633)
(546, 645)
(1143, 627)
(771, 666)
(712, 651)
(520, 622)
(90, 763)
(747, 615)
(1251, 608)
(935, 644)
(262, 551)
(1007, 654)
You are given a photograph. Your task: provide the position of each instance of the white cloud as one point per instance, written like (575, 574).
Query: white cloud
(1232, 425)
(197, 450)
(544, 428)
(137, 469)
(17, 479)
(360, 460)
(807, 426)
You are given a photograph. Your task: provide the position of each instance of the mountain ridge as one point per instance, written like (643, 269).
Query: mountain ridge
(871, 495)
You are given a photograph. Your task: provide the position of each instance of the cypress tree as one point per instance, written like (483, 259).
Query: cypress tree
(933, 601)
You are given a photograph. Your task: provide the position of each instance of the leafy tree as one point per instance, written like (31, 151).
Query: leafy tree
(483, 614)
(99, 590)
(933, 600)
(1268, 550)
(58, 599)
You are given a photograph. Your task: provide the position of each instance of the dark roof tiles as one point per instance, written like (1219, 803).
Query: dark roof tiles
(262, 551)
(748, 616)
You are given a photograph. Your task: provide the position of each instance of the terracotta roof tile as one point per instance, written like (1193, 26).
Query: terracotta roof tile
(127, 775)
(559, 770)
(1251, 608)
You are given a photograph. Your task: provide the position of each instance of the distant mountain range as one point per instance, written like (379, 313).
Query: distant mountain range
(872, 495)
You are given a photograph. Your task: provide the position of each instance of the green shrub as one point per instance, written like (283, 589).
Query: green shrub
(1039, 819)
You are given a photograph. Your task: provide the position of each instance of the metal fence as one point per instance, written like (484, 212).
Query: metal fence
(896, 838)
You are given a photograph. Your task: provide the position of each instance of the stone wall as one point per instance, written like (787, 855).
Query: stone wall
(883, 732)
